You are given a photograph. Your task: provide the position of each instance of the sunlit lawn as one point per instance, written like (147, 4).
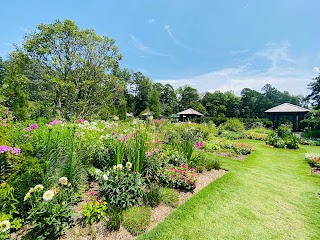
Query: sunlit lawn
(271, 195)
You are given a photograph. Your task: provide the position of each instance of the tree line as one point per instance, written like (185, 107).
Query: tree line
(63, 71)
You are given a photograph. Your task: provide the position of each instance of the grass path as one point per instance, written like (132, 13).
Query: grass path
(271, 195)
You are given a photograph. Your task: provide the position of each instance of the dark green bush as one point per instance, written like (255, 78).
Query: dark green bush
(212, 163)
(169, 197)
(137, 219)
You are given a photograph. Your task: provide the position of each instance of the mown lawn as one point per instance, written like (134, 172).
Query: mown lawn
(271, 195)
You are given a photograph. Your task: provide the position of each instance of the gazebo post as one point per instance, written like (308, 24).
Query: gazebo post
(294, 122)
(277, 121)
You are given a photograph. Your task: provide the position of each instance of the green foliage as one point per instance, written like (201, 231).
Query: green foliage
(152, 164)
(315, 89)
(137, 219)
(169, 197)
(115, 216)
(179, 177)
(230, 134)
(94, 210)
(122, 189)
(8, 222)
(283, 138)
(7, 199)
(136, 150)
(32, 171)
(151, 195)
(233, 124)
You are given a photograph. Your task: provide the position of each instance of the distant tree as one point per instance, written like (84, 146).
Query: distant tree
(314, 96)
(155, 103)
(71, 69)
(2, 71)
(187, 97)
(142, 92)
(14, 90)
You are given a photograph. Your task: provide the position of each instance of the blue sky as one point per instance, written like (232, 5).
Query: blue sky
(207, 44)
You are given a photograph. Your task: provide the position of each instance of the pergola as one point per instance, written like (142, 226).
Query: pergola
(189, 114)
(287, 109)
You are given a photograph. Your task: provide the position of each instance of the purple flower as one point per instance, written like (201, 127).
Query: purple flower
(123, 138)
(33, 126)
(26, 129)
(16, 151)
(4, 149)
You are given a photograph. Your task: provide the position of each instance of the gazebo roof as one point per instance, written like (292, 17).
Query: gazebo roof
(190, 111)
(287, 108)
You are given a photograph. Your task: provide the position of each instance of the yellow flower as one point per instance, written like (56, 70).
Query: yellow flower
(63, 180)
(48, 195)
(69, 184)
(63, 203)
(26, 196)
(38, 187)
(31, 190)
(4, 226)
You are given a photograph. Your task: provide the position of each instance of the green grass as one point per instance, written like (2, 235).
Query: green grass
(271, 195)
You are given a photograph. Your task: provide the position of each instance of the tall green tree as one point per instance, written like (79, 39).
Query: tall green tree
(314, 96)
(71, 68)
(187, 97)
(142, 92)
(155, 103)
(14, 90)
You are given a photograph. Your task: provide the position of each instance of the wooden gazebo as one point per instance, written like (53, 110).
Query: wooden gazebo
(189, 114)
(287, 109)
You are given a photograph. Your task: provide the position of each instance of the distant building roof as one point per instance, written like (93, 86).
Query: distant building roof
(190, 111)
(287, 108)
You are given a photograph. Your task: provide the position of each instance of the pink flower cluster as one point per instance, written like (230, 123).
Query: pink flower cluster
(15, 151)
(31, 127)
(80, 121)
(54, 122)
(198, 145)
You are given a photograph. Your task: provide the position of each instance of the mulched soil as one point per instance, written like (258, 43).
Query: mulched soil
(159, 213)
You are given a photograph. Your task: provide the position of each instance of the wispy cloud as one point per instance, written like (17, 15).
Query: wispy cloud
(151, 20)
(284, 72)
(168, 29)
(146, 49)
(240, 51)
(277, 53)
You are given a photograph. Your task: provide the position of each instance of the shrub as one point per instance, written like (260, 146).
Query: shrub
(233, 124)
(309, 141)
(137, 219)
(287, 141)
(94, 210)
(169, 197)
(152, 163)
(50, 214)
(212, 163)
(32, 171)
(313, 159)
(174, 158)
(151, 195)
(179, 177)
(121, 187)
(115, 216)
(242, 148)
(231, 134)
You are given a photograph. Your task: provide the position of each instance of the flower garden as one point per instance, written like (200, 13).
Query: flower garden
(60, 177)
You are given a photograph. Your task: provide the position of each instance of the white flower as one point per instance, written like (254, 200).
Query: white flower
(26, 196)
(105, 177)
(63, 180)
(116, 118)
(119, 167)
(97, 171)
(48, 195)
(128, 164)
(4, 226)
(38, 187)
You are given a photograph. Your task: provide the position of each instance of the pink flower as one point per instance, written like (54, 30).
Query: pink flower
(16, 151)
(33, 126)
(148, 154)
(80, 121)
(123, 138)
(26, 135)
(91, 193)
(26, 129)
(156, 150)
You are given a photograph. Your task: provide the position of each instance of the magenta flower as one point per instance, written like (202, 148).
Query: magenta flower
(26, 129)
(91, 193)
(123, 138)
(16, 151)
(33, 126)
(4, 149)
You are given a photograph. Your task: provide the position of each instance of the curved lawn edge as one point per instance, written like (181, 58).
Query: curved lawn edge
(270, 195)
